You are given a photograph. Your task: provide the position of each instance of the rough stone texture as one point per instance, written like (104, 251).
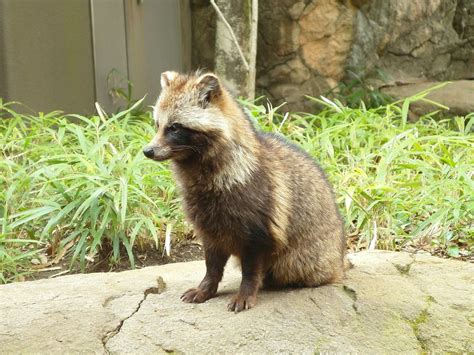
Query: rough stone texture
(457, 95)
(390, 302)
(315, 36)
(203, 25)
(408, 41)
(414, 40)
(228, 63)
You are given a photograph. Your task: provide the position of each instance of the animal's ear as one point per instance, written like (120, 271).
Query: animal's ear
(167, 77)
(209, 88)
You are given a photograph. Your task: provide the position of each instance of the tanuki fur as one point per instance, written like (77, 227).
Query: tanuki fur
(247, 193)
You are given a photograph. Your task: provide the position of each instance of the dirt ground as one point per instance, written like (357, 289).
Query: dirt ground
(184, 251)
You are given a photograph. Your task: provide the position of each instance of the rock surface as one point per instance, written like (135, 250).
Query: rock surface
(383, 42)
(457, 95)
(389, 302)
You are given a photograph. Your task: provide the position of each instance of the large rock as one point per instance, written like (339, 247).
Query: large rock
(390, 302)
(383, 42)
(409, 40)
(458, 96)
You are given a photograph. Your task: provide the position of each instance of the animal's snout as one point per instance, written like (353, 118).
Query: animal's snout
(157, 152)
(148, 152)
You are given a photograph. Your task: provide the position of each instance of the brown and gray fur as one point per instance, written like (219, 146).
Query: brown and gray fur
(247, 193)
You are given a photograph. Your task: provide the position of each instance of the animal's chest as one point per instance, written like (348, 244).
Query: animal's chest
(228, 214)
(214, 212)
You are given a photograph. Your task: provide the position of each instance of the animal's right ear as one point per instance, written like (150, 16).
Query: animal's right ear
(167, 77)
(209, 88)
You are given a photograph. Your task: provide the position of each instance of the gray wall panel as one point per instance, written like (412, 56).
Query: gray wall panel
(58, 54)
(47, 54)
(155, 43)
(110, 49)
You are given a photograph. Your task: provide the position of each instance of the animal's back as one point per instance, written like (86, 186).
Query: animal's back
(314, 247)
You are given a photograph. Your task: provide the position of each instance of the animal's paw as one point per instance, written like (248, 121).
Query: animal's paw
(240, 303)
(195, 295)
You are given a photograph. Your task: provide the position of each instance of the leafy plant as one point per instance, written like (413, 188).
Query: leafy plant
(121, 91)
(79, 187)
(399, 184)
(356, 89)
(86, 183)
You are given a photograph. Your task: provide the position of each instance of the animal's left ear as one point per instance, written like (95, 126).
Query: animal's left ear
(167, 77)
(209, 88)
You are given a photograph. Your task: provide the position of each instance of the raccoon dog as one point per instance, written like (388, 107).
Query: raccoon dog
(247, 193)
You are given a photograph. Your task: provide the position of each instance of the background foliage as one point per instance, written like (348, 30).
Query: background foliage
(79, 187)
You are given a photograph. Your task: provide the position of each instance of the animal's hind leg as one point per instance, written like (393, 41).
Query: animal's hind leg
(319, 278)
(269, 281)
(307, 271)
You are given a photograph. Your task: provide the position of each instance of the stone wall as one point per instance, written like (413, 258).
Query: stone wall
(415, 40)
(307, 47)
(203, 27)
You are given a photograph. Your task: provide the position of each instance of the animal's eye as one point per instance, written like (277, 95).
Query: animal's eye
(174, 127)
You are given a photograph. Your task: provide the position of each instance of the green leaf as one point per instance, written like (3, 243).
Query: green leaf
(32, 214)
(128, 248)
(123, 203)
(59, 217)
(405, 109)
(453, 251)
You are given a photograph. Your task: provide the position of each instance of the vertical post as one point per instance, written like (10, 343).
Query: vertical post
(252, 56)
(241, 16)
(185, 21)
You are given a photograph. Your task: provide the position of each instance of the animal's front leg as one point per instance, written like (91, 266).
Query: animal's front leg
(215, 263)
(252, 263)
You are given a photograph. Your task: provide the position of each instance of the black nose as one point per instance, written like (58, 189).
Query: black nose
(148, 152)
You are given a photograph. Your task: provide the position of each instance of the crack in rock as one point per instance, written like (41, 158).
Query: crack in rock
(420, 319)
(352, 295)
(191, 323)
(405, 269)
(314, 301)
(110, 299)
(161, 286)
(169, 350)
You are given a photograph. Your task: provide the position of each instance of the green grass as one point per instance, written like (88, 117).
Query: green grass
(84, 186)
(80, 187)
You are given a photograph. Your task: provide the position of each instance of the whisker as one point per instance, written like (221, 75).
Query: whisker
(180, 148)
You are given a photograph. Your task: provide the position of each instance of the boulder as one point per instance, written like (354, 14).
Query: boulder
(389, 302)
(382, 42)
(457, 95)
